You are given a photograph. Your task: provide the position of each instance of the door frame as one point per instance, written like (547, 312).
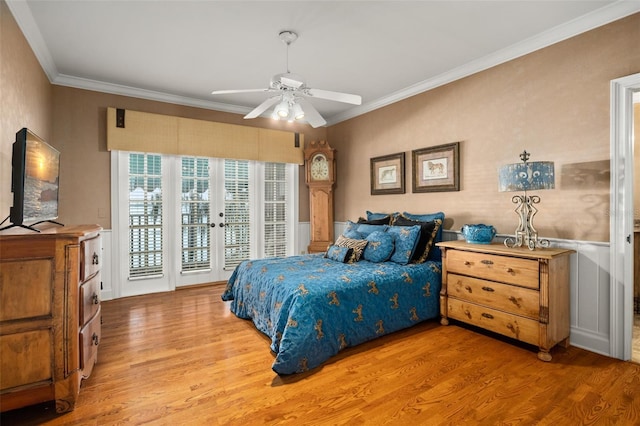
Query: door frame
(621, 208)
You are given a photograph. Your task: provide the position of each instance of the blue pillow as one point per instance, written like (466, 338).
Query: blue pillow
(350, 226)
(428, 231)
(365, 229)
(406, 238)
(339, 254)
(377, 216)
(379, 248)
(354, 235)
(434, 253)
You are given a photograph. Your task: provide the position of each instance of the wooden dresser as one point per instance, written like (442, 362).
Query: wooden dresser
(49, 313)
(519, 293)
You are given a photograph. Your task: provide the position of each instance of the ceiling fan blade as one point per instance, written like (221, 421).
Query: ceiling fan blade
(311, 114)
(224, 92)
(257, 111)
(336, 96)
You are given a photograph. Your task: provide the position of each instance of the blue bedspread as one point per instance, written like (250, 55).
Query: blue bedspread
(312, 307)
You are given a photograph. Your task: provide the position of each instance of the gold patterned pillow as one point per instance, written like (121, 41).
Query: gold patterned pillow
(358, 246)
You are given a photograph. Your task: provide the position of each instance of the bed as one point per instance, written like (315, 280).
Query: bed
(313, 306)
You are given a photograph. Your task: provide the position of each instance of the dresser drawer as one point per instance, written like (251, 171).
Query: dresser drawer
(89, 341)
(523, 329)
(504, 297)
(22, 280)
(91, 252)
(89, 299)
(26, 358)
(522, 272)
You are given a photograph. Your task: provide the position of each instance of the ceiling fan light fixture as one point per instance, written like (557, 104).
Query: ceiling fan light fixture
(290, 94)
(298, 112)
(282, 109)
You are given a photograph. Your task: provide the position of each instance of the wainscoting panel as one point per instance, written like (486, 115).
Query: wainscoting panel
(304, 237)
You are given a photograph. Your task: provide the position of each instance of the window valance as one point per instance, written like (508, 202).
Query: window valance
(137, 131)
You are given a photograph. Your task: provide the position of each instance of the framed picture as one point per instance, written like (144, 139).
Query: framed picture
(387, 174)
(436, 168)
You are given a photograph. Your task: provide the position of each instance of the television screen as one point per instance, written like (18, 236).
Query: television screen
(34, 180)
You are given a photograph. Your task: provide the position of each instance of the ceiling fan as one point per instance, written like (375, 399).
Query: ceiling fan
(291, 93)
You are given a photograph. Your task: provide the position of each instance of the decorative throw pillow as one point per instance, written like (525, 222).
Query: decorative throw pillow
(379, 248)
(434, 253)
(406, 238)
(350, 226)
(365, 229)
(428, 231)
(382, 221)
(358, 246)
(339, 254)
(377, 216)
(354, 235)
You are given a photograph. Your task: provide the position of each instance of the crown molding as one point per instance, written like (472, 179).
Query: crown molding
(118, 89)
(595, 19)
(618, 10)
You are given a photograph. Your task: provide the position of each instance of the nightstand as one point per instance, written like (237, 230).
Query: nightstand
(516, 292)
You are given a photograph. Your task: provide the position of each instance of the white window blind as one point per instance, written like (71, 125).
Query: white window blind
(236, 212)
(275, 208)
(145, 215)
(195, 215)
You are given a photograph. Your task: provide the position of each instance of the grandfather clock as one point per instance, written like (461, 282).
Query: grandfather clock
(320, 176)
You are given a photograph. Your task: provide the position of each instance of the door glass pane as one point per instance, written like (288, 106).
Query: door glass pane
(145, 215)
(275, 203)
(236, 213)
(195, 215)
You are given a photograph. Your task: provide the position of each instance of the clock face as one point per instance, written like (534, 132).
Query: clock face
(319, 167)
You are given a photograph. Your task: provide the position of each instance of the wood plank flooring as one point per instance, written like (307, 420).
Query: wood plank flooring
(182, 358)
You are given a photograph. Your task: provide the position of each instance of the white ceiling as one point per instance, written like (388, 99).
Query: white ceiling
(179, 51)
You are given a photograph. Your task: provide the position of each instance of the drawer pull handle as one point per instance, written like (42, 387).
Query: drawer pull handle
(95, 339)
(467, 263)
(468, 288)
(487, 262)
(489, 289)
(486, 315)
(510, 271)
(94, 260)
(467, 313)
(515, 301)
(96, 299)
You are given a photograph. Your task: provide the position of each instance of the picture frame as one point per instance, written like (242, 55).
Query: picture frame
(387, 174)
(436, 169)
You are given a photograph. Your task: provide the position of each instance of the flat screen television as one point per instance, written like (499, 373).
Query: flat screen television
(34, 181)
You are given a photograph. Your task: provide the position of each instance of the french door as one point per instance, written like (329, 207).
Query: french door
(189, 220)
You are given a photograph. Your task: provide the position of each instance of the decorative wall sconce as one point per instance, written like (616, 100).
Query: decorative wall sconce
(526, 176)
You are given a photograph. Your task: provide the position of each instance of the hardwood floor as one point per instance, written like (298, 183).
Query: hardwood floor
(182, 358)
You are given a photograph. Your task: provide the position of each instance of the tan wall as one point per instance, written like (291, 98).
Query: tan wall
(80, 129)
(25, 98)
(554, 103)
